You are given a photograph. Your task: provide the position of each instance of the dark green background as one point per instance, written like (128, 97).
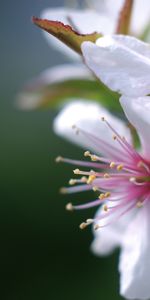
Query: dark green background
(43, 253)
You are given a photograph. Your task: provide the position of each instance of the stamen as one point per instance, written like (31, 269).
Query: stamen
(91, 179)
(83, 225)
(139, 204)
(69, 207)
(101, 196)
(96, 227)
(120, 167)
(105, 207)
(95, 188)
(63, 190)
(112, 165)
(72, 181)
(59, 159)
(106, 175)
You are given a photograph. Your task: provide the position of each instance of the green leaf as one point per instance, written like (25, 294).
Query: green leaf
(49, 96)
(65, 33)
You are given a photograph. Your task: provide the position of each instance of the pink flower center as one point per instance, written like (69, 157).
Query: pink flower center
(121, 182)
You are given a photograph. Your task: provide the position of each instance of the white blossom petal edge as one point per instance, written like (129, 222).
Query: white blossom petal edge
(120, 62)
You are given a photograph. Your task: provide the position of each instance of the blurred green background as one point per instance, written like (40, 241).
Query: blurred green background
(44, 255)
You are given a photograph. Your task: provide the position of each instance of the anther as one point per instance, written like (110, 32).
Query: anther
(87, 153)
(83, 225)
(103, 119)
(76, 171)
(106, 175)
(91, 179)
(112, 165)
(69, 207)
(84, 179)
(105, 207)
(108, 194)
(132, 179)
(114, 137)
(95, 188)
(89, 221)
(72, 181)
(63, 190)
(59, 159)
(96, 226)
(120, 167)
(139, 204)
(93, 157)
(101, 196)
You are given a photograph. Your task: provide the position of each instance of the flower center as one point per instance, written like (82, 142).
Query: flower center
(121, 184)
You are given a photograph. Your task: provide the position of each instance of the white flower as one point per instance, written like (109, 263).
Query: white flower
(121, 62)
(124, 218)
(102, 16)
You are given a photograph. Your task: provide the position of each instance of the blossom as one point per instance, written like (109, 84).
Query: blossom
(120, 177)
(121, 62)
(100, 16)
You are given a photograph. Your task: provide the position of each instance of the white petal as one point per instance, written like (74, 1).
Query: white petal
(86, 115)
(84, 22)
(135, 257)
(137, 111)
(110, 237)
(140, 16)
(121, 62)
(30, 97)
(109, 8)
(62, 73)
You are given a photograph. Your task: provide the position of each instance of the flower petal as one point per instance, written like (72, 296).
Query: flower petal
(137, 111)
(140, 16)
(135, 257)
(32, 95)
(84, 22)
(121, 62)
(86, 116)
(110, 237)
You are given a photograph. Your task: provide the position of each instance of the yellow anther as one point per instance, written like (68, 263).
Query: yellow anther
(91, 178)
(87, 153)
(101, 196)
(105, 207)
(72, 181)
(83, 225)
(89, 221)
(120, 167)
(106, 175)
(112, 165)
(76, 171)
(59, 159)
(96, 226)
(63, 190)
(139, 204)
(95, 188)
(93, 157)
(108, 194)
(69, 207)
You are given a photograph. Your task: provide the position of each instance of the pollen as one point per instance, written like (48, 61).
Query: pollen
(69, 207)
(72, 181)
(95, 188)
(58, 159)
(101, 196)
(91, 179)
(139, 204)
(108, 194)
(76, 171)
(112, 165)
(120, 167)
(106, 175)
(105, 207)
(83, 225)
(87, 153)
